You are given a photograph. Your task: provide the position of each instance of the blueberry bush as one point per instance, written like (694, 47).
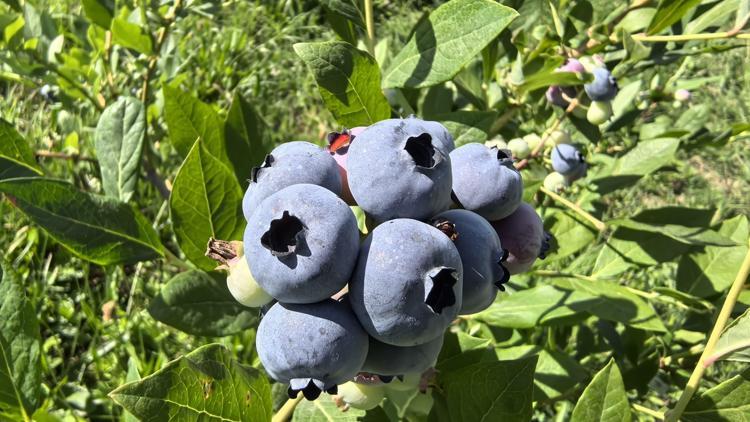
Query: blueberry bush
(462, 210)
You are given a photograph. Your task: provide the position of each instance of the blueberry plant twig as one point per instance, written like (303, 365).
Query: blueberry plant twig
(645, 410)
(287, 410)
(721, 321)
(546, 135)
(370, 24)
(691, 37)
(598, 224)
(64, 156)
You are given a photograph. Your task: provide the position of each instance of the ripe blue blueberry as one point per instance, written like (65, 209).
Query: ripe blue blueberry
(312, 347)
(400, 168)
(481, 255)
(524, 238)
(406, 288)
(386, 360)
(604, 87)
(302, 244)
(567, 160)
(485, 181)
(290, 164)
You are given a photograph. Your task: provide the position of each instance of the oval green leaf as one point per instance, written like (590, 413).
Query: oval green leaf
(445, 41)
(206, 202)
(96, 228)
(348, 80)
(200, 304)
(205, 384)
(118, 140)
(604, 399)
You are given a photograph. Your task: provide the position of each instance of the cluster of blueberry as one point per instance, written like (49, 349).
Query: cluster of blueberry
(601, 91)
(449, 229)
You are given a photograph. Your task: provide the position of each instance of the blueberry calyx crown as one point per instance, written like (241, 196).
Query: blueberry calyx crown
(446, 226)
(284, 235)
(440, 295)
(504, 156)
(255, 172)
(311, 389)
(422, 151)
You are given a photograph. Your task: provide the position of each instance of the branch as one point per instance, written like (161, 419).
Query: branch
(705, 361)
(287, 410)
(64, 156)
(598, 224)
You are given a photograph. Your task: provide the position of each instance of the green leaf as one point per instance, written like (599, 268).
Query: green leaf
(348, 80)
(189, 119)
(20, 348)
(118, 140)
(683, 234)
(709, 271)
(604, 399)
(734, 343)
(494, 391)
(540, 305)
(669, 12)
(545, 79)
(130, 35)
(324, 409)
(646, 157)
(205, 384)
(611, 302)
(98, 12)
(718, 15)
(95, 228)
(444, 42)
(570, 232)
(16, 157)
(200, 304)
(556, 373)
(246, 142)
(468, 126)
(347, 9)
(206, 202)
(725, 402)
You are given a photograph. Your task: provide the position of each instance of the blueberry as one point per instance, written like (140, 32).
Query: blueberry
(406, 288)
(387, 360)
(481, 255)
(566, 159)
(519, 147)
(523, 236)
(555, 93)
(485, 181)
(242, 284)
(599, 112)
(604, 87)
(338, 147)
(555, 182)
(312, 347)
(302, 244)
(359, 396)
(290, 164)
(400, 168)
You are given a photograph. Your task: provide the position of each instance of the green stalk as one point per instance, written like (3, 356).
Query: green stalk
(370, 23)
(287, 410)
(690, 37)
(721, 321)
(598, 224)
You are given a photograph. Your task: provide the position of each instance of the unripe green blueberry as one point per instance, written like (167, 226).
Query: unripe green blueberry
(498, 143)
(558, 137)
(532, 140)
(519, 148)
(243, 286)
(408, 382)
(555, 182)
(360, 396)
(599, 112)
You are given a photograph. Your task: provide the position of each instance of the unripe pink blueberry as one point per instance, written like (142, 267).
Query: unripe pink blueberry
(522, 235)
(339, 148)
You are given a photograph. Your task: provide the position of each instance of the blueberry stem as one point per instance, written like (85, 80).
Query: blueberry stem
(708, 357)
(598, 224)
(287, 410)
